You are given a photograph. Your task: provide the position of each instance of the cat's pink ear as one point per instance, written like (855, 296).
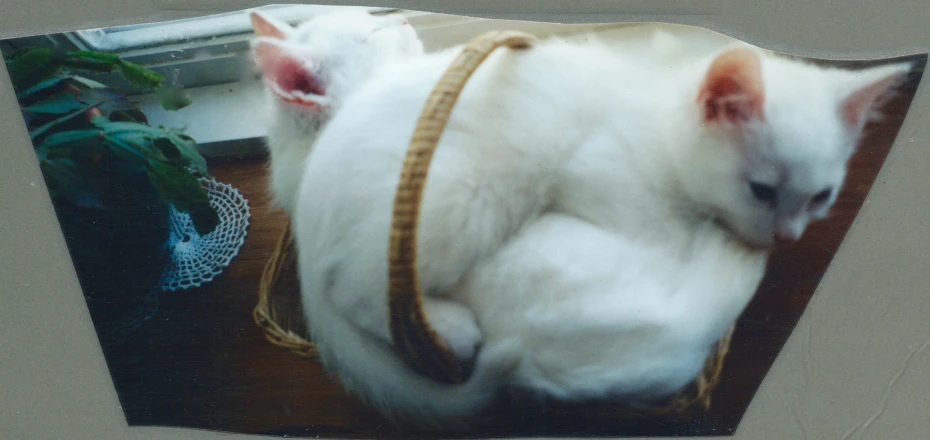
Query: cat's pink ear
(732, 90)
(267, 27)
(868, 89)
(291, 77)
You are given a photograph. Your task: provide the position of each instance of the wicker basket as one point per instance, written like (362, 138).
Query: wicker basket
(414, 339)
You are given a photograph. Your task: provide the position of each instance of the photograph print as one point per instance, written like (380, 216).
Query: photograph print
(362, 222)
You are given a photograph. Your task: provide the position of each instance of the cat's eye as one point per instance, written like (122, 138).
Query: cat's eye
(763, 193)
(821, 197)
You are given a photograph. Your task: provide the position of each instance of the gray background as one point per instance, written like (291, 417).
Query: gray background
(857, 366)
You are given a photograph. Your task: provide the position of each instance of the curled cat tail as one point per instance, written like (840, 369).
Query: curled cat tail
(372, 371)
(427, 404)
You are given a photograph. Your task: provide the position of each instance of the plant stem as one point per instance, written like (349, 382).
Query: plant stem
(39, 131)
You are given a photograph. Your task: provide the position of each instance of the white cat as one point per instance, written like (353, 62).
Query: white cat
(590, 225)
(310, 70)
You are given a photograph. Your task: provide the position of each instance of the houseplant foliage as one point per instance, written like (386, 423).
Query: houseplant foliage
(77, 124)
(111, 176)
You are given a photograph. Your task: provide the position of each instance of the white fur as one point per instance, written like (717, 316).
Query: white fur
(344, 49)
(570, 232)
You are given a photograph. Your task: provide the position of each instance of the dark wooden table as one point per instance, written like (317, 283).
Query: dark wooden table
(201, 362)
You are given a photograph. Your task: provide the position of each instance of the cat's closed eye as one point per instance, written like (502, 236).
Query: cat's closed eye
(821, 197)
(763, 193)
(370, 33)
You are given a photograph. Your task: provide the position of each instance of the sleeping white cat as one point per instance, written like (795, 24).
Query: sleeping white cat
(310, 70)
(590, 225)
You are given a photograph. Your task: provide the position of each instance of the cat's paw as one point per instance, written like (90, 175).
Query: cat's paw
(455, 324)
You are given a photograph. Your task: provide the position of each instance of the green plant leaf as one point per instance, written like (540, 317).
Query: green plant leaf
(91, 60)
(128, 130)
(170, 151)
(180, 156)
(47, 126)
(106, 62)
(89, 82)
(55, 153)
(56, 105)
(99, 121)
(51, 82)
(112, 100)
(183, 190)
(187, 149)
(73, 138)
(121, 116)
(138, 115)
(18, 53)
(140, 76)
(27, 61)
(90, 152)
(127, 151)
(173, 98)
(110, 127)
(129, 115)
(68, 179)
(141, 141)
(146, 140)
(181, 149)
(90, 55)
(30, 67)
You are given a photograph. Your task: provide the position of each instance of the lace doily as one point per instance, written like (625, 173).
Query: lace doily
(197, 259)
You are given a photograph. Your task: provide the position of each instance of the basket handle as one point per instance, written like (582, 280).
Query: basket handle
(415, 340)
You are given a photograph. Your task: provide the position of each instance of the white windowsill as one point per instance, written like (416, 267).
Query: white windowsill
(226, 119)
(132, 37)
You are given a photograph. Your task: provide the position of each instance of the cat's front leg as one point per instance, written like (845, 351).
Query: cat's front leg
(455, 324)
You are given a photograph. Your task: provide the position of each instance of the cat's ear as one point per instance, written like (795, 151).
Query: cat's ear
(867, 90)
(268, 27)
(732, 91)
(292, 77)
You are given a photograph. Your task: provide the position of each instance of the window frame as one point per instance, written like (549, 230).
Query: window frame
(136, 37)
